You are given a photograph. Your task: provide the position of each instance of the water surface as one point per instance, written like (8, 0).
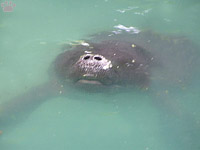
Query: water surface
(30, 39)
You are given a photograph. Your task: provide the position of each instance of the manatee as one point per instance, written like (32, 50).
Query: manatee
(111, 61)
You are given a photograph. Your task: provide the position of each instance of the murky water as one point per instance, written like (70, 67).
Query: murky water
(30, 39)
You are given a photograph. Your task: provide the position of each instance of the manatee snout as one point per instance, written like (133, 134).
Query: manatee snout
(92, 69)
(92, 58)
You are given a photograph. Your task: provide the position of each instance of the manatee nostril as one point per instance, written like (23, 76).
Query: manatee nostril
(98, 58)
(86, 57)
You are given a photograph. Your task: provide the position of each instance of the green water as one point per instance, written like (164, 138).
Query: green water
(30, 39)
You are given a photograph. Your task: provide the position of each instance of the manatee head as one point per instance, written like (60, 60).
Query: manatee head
(107, 63)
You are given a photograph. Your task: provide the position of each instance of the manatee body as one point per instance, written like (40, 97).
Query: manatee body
(129, 60)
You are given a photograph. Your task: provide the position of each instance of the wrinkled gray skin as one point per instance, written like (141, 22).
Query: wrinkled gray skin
(142, 60)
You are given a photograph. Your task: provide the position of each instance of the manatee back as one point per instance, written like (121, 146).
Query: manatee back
(177, 57)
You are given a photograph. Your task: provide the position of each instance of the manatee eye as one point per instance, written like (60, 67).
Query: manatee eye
(98, 58)
(86, 57)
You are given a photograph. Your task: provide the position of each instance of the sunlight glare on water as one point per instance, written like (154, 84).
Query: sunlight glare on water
(31, 37)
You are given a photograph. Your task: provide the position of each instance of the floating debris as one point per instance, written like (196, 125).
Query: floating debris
(124, 28)
(126, 9)
(133, 45)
